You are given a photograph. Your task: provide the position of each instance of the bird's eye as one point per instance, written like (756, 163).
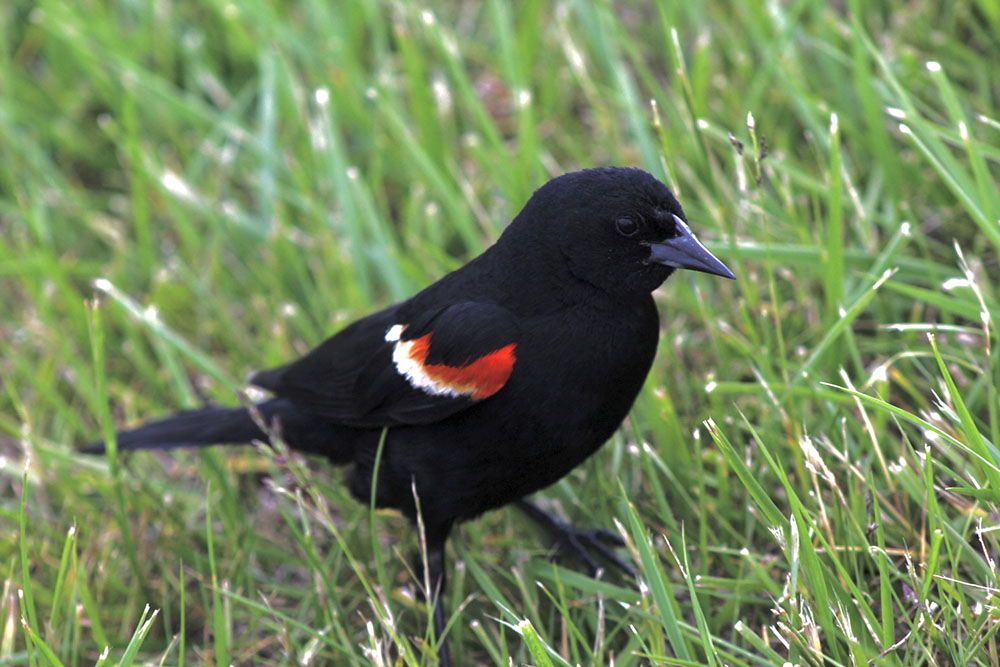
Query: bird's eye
(626, 226)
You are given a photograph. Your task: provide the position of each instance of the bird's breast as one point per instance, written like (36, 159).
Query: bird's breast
(578, 375)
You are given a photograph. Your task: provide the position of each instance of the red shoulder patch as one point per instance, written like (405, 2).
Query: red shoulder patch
(478, 378)
(482, 377)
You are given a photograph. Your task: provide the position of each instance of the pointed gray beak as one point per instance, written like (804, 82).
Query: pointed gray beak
(685, 251)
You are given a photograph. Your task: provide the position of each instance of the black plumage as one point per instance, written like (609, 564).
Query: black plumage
(496, 380)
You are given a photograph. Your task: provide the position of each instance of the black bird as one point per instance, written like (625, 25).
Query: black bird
(496, 380)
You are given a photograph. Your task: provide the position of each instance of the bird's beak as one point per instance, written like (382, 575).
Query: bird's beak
(685, 251)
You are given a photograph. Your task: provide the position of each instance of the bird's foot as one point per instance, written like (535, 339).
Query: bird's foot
(582, 544)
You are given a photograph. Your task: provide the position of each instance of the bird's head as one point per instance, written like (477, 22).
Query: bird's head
(619, 229)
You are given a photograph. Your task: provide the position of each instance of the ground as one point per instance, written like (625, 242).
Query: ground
(189, 191)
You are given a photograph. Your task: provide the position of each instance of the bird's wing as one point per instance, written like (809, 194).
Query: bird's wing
(399, 367)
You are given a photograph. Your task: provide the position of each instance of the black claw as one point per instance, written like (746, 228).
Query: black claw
(579, 543)
(597, 540)
(608, 537)
(571, 542)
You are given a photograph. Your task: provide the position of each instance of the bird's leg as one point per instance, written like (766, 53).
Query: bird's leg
(436, 579)
(578, 542)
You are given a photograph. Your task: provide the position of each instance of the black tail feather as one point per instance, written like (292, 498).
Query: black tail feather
(197, 428)
(230, 426)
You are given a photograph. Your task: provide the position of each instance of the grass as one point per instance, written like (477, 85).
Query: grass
(192, 190)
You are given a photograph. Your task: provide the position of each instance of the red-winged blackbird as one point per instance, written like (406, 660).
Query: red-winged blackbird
(496, 380)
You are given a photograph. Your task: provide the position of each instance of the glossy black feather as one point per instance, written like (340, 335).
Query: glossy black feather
(221, 425)
(562, 283)
(462, 331)
(351, 378)
(568, 285)
(324, 380)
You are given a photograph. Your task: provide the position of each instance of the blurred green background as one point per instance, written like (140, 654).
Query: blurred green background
(191, 190)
